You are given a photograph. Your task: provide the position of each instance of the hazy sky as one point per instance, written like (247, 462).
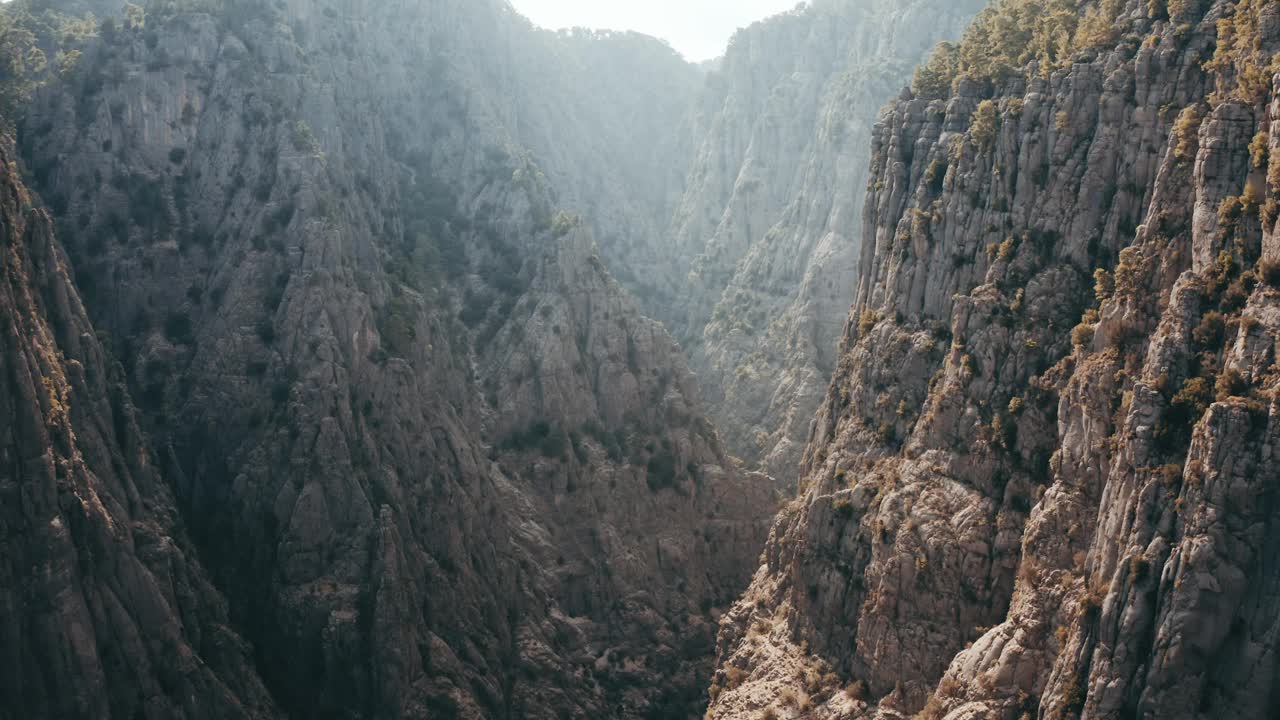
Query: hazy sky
(699, 29)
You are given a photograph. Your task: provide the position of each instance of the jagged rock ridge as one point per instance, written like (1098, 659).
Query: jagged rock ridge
(1042, 483)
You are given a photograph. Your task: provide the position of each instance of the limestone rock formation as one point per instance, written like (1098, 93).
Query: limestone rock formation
(1042, 482)
(439, 463)
(104, 610)
(770, 217)
(387, 280)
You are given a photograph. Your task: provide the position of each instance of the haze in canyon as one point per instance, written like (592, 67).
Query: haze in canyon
(405, 359)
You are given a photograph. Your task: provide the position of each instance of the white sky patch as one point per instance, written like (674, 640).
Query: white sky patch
(698, 29)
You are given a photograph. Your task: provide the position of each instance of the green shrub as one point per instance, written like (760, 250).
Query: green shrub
(1210, 331)
(1171, 475)
(985, 125)
(1269, 271)
(1230, 384)
(266, 332)
(614, 443)
(1008, 34)
(579, 447)
(933, 80)
(178, 329)
(1185, 130)
(279, 218)
(1082, 335)
(555, 444)
(661, 470)
(475, 308)
(935, 174)
(398, 327)
(1193, 399)
(280, 392)
(867, 322)
(1104, 285)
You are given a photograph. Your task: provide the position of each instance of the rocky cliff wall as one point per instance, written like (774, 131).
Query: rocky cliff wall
(435, 458)
(1041, 483)
(106, 611)
(765, 235)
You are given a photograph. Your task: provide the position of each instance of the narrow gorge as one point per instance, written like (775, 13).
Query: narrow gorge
(403, 359)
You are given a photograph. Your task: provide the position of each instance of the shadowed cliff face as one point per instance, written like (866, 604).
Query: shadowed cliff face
(1042, 482)
(105, 612)
(438, 462)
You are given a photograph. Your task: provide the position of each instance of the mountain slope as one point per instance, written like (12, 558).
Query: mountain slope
(1009, 511)
(106, 613)
(764, 238)
(435, 458)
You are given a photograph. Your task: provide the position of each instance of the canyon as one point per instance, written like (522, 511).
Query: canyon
(402, 359)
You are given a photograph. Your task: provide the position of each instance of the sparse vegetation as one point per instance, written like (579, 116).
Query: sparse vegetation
(842, 505)
(985, 125)
(397, 325)
(1009, 34)
(1269, 271)
(867, 321)
(1243, 66)
(551, 441)
(1185, 130)
(27, 31)
(660, 471)
(933, 79)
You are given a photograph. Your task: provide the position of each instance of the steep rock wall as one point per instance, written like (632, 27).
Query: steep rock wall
(106, 612)
(435, 458)
(1041, 483)
(765, 236)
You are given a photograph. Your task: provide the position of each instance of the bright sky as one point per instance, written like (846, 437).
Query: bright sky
(698, 29)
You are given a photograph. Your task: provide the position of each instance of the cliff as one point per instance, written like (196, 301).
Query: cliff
(1041, 483)
(434, 456)
(106, 612)
(765, 235)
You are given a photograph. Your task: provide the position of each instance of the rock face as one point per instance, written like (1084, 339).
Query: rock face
(436, 459)
(105, 612)
(1042, 483)
(404, 448)
(771, 211)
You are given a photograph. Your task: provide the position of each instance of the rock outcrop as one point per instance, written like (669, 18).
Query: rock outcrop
(438, 462)
(1042, 482)
(104, 610)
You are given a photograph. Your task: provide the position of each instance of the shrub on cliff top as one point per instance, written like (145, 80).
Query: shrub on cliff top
(1009, 34)
(933, 79)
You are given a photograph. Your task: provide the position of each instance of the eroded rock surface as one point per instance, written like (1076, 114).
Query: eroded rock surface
(104, 610)
(439, 463)
(765, 237)
(1042, 482)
